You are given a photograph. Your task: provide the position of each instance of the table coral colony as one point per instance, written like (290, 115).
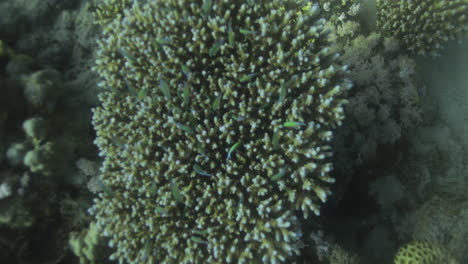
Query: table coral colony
(215, 124)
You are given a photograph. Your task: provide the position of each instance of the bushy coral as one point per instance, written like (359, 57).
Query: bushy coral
(423, 26)
(88, 245)
(385, 99)
(38, 202)
(42, 89)
(34, 163)
(339, 11)
(214, 128)
(422, 252)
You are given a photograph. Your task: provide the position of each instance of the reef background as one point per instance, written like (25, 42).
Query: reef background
(413, 190)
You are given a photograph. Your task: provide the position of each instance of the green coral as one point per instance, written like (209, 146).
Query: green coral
(36, 165)
(42, 89)
(423, 26)
(422, 252)
(87, 245)
(15, 214)
(384, 102)
(215, 128)
(107, 10)
(36, 128)
(338, 11)
(42, 158)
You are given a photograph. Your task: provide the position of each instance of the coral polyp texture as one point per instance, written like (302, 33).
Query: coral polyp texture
(107, 10)
(215, 124)
(423, 252)
(423, 26)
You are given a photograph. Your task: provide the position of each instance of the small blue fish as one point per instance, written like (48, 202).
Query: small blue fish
(232, 149)
(216, 103)
(161, 210)
(293, 124)
(275, 140)
(176, 192)
(198, 240)
(238, 118)
(127, 54)
(185, 94)
(147, 250)
(246, 32)
(247, 77)
(231, 36)
(185, 128)
(280, 174)
(200, 232)
(284, 88)
(200, 171)
(163, 41)
(130, 87)
(164, 88)
(215, 48)
(186, 71)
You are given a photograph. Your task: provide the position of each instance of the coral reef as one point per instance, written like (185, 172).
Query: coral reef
(421, 252)
(219, 126)
(385, 100)
(88, 246)
(339, 11)
(387, 190)
(327, 251)
(35, 157)
(107, 10)
(436, 162)
(423, 26)
(341, 256)
(40, 134)
(441, 221)
(214, 126)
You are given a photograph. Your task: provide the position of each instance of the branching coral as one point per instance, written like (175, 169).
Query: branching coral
(34, 163)
(214, 128)
(339, 11)
(385, 99)
(423, 26)
(87, 245)
(107, 10)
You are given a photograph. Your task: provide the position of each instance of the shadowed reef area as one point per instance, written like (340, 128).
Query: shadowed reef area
(226, 131)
